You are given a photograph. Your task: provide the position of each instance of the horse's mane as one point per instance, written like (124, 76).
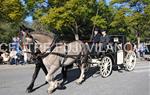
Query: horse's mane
(49, 34)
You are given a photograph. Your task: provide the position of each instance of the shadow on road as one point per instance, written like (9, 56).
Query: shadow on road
(73, 74)
(34, 89)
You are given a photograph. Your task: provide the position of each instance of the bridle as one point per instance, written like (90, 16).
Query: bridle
(50, 48)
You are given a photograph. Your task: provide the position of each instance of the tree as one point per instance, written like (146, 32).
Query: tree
(136, 20)
(76, 16)
(11, 11)
(7, 32)
(37, 26)
(73, 15)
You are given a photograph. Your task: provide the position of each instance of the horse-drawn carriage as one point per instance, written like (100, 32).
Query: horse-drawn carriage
(117, 54)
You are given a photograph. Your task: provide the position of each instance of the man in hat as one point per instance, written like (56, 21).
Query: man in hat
(95, 41)
(96, 37)
(104, 39)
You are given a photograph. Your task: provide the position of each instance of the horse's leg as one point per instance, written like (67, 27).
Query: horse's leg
(53, 84)
(64, 73)
(82, 76)
(34, 76)
(43, 68)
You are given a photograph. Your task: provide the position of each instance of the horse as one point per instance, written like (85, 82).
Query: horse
(61, 56)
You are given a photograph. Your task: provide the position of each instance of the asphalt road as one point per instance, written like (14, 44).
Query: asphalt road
(15, 79)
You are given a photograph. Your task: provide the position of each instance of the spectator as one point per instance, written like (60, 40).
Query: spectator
(1, 59)
(142, 50)
(13, 57)
(6, 58)
(135, 49)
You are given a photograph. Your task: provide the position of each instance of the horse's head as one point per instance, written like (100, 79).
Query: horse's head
(40, 40)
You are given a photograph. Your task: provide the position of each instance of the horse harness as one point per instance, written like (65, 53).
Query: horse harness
(63, 59)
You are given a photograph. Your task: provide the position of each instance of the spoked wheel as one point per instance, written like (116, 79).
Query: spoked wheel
(130, 61)
(106, 66)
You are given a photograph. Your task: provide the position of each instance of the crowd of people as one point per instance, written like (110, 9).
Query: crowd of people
(16, 49)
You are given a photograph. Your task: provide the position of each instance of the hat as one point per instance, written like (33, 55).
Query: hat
(96, 29)
(103, 31)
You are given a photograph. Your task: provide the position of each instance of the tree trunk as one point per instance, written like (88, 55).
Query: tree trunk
(76, 37)
(138, 39)
(76, 32)
(92, 33)
(138, 42)
(97, 10)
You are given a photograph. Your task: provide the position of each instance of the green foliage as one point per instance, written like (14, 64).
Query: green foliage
(11, 10)
(38, 27)
(135, 20)
(72, 15)
(99, 21)
(7, 32)
(77, 16)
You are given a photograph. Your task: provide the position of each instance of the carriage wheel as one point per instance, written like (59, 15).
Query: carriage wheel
(130, 61)
(106, 66)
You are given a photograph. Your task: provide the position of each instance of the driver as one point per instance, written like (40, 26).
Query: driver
(104, 39)
(96, 37)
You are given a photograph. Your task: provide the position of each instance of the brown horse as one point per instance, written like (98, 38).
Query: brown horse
(61, 55)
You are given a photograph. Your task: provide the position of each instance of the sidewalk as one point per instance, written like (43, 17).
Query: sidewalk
(145, 59)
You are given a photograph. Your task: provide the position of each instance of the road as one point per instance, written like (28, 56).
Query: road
(15, 79)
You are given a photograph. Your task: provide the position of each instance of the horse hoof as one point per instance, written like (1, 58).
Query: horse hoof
(78, 82)
(61, 87)
(46, 82)
(29, 90)
(50, 91)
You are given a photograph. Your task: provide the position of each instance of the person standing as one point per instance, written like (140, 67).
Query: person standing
(22, 36)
